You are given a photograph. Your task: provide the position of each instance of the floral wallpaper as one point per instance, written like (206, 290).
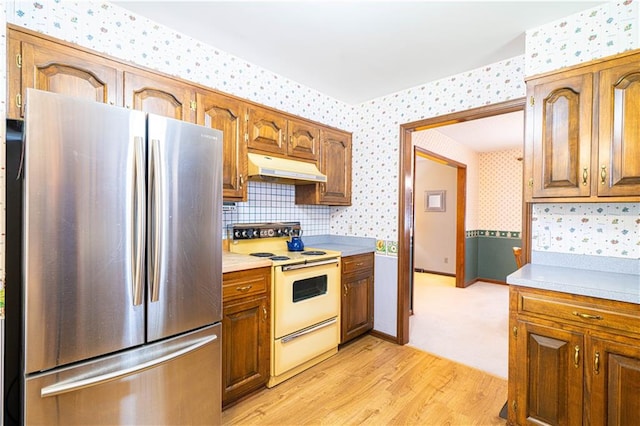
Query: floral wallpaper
(593, 229)
(500, 190)
(594, 33)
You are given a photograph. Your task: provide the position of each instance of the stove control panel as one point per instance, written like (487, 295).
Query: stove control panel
(249, 231)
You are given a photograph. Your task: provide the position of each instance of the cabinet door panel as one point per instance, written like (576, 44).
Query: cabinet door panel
(615, 375)
(59, 69)
(304, 140)
(158, 95)
(267, 131)
(245, 356)
(554, 373)
(336, 164)
(619, 131)
(357, 305)
(562, 137)
(226, 114)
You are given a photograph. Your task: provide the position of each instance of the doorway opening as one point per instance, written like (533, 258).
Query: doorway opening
(406, 202)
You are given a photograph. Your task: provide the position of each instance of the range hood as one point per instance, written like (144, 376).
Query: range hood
(281, 170)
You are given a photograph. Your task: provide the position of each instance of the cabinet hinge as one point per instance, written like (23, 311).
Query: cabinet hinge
(514, 404)
(532, 101)
(193, 105)
(246, 137)
(246, 117)
(19, 60)
(515, 331)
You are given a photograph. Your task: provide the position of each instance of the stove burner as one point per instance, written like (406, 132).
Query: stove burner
(262, 254)
(314, 253)
(279, 258)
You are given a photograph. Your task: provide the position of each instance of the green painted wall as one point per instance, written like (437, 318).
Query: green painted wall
(495, 257)
(470, 259)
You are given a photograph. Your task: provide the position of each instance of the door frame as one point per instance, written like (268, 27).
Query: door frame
(405, 198)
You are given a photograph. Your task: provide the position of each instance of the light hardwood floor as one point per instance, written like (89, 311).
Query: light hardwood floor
(371, 381)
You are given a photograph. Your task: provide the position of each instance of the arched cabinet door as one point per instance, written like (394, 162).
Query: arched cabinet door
(56, 68)
(227, 114)
(619, 131)
(159, 95)
(562, 118)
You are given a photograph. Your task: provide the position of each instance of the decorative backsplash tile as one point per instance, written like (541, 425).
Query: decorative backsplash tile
(583, 228)
(276, 203)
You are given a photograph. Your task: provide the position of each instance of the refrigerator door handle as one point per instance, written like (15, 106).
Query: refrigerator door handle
(157, 208)
(61, 388)
(139, 207)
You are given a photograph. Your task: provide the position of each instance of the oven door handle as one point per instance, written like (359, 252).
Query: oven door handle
(309, 264)
(301, 333)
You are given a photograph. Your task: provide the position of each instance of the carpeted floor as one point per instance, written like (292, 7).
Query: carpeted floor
(469, 325)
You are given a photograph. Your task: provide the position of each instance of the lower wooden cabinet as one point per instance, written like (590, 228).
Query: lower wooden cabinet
(245, 332)
(357, 296)
(573, 360)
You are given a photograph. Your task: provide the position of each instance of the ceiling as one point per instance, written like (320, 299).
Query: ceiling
(358, 50)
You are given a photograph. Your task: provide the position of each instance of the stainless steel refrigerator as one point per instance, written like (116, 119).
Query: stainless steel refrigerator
(119, 268)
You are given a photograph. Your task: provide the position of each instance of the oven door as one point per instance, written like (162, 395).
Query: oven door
(305, 295)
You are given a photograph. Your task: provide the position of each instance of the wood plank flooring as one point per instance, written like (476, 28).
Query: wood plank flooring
(374, 382)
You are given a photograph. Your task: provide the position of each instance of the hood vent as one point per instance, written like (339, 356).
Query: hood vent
(282, 170)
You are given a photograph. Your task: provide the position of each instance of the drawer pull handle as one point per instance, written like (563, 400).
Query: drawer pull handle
(576, 356)
(587, 316)
(264, 312)
(244, 289)
(596, 363)
(346, 289)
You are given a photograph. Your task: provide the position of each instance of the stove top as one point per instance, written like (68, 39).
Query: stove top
(269, 240)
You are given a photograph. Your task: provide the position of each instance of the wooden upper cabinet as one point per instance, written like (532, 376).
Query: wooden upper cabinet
(227, 114)
(267, 131)
(619, 131)
(304, 140)
(562, 137)
(48, 66)
(153, 93)
(271, 132)
(335, 163)
(583, 132)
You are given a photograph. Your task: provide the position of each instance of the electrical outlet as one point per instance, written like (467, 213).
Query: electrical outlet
(350, 231)
(446, 260)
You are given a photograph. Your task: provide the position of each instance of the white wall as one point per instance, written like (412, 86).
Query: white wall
(434, 235)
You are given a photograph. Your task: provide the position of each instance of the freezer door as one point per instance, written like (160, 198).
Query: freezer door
(184, 268)
(83, 231)
(174, 382)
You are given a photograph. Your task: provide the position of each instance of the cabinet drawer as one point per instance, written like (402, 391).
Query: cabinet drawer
(245, 283)
(357, 263)
(585, 311)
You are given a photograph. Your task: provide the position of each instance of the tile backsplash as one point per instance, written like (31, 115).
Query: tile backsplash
(270, 202)
(601, 229)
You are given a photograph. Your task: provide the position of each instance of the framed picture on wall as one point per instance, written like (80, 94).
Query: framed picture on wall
(434, 201)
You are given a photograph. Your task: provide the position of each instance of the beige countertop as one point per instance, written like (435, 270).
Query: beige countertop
(232, 262)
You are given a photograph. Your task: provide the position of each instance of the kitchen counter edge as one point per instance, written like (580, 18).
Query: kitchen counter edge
(233, 262)
(604, 285)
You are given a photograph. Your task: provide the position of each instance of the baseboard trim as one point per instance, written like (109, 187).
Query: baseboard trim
(384, 336)
(489, 280)
(446, 274)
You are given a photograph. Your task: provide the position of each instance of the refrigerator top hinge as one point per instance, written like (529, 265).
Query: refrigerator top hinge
(19, 60)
